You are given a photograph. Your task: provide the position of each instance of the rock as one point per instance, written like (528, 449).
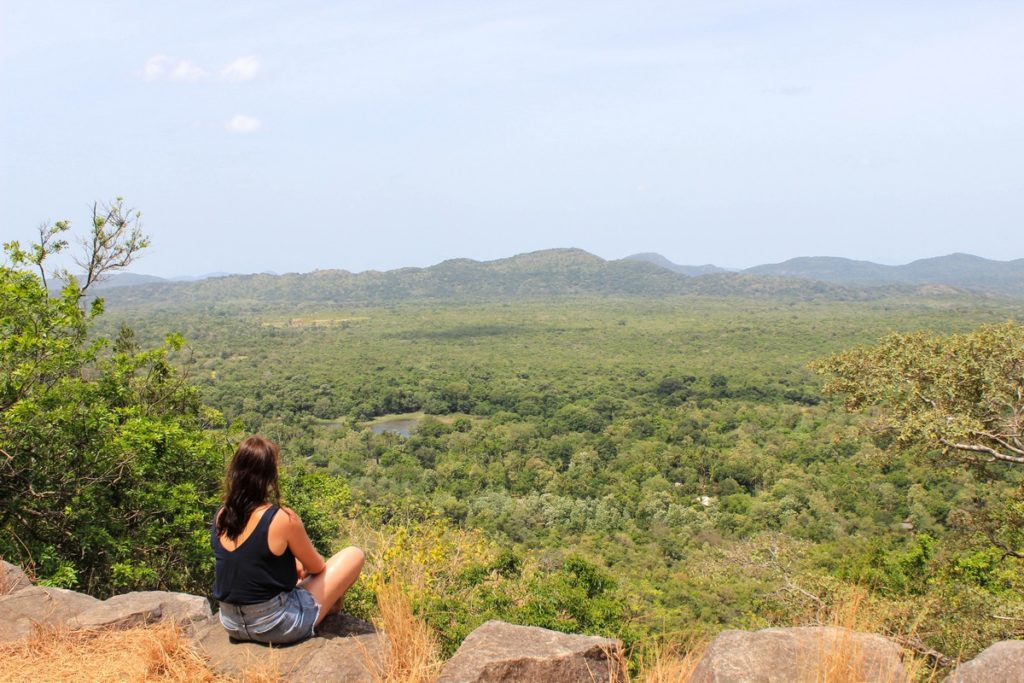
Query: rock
(499, 652)
(1003, 661)
(345, 649)
(12, 578)
(144, 607)
(39, 605)
(777, 655)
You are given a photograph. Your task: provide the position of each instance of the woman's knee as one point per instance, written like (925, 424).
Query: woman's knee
(351, 556)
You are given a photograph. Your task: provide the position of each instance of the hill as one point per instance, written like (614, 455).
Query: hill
(131, 279)
(961, 271)
(117, 280)
(659, 260)
(536, 275)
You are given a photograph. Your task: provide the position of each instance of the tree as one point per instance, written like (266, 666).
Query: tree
(962, 393)
(108, 470)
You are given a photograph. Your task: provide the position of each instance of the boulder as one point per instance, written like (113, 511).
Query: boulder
(12, 578)
(790, 655)
(499, 652)
(345, 649)
(39, 605)
(144, 607)
(1003, 661)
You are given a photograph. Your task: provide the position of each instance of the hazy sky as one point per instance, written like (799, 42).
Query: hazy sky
(290, 136)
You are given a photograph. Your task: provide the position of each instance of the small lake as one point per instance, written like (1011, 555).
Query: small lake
(403, 427)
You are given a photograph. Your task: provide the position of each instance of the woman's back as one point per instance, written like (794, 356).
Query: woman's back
(251, 573)
(260, 555)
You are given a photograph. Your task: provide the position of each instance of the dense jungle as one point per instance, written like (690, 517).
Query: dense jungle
(641, 467)
(647, 466)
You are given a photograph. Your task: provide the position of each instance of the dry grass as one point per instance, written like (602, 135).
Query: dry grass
(159, 653)
(413, 653)
(268, 672)
(842, 659)
(661, 662)
(54, 655)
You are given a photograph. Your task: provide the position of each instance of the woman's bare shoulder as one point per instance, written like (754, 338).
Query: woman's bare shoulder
(289, 516)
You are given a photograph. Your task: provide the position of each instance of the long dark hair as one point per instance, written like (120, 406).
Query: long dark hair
(251, 481)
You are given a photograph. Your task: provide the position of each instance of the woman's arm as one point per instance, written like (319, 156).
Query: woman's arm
(308, 560)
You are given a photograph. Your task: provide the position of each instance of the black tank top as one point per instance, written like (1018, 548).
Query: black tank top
(251, 573)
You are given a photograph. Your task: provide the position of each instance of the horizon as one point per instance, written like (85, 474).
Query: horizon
(183, 276)
(340, 135)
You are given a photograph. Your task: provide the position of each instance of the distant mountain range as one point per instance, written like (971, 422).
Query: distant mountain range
(132, 279)
(574, 272)
(541, 274)
(962, 271)
(959, 271)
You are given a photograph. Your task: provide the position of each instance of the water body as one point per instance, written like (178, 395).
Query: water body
(404, 427)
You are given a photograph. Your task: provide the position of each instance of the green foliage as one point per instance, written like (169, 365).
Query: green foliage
(616, 466)
(108, 470)
(575, 597)
(674, 453)
(321, 501)
(963, 393)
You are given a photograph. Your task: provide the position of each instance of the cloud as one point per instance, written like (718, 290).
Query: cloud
(242, 69)
(155, 67)
(241, 123)
(188, 72)
(161, 67)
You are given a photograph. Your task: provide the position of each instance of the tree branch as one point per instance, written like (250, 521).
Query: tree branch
(976, 448)
(1002, 443)
(917, 645)
(116, 241)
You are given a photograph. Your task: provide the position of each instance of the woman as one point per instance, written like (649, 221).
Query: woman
(272, 584)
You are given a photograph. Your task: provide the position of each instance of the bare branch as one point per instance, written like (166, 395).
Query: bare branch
(917, 645)
(977, 448)
(790, 585)
(43, 239)
(116, 239)
(1003, 443)
(1007, 551)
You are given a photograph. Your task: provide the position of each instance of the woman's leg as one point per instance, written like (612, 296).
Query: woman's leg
(329, 586)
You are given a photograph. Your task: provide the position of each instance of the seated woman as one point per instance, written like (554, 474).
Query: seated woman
(272, 584)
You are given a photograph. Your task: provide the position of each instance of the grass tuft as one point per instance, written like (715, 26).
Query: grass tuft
(57, 655)
(413, 654)
(662, 662)
(159, 653)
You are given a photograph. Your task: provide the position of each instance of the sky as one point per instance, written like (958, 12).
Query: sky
(287, 137)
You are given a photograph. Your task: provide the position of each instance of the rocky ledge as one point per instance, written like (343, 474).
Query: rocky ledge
(505, 653)
(345, 649)
(799, 654)
(350, 650)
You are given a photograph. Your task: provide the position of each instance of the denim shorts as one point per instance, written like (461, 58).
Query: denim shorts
(287, 618)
